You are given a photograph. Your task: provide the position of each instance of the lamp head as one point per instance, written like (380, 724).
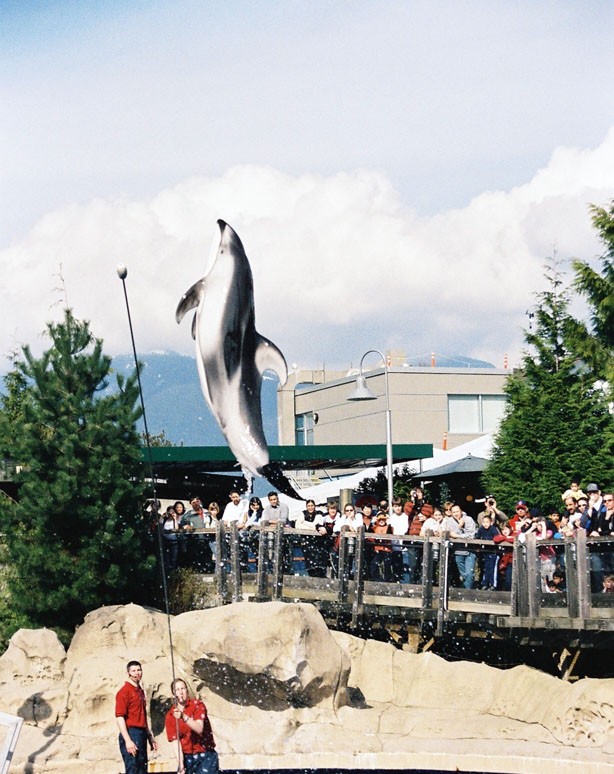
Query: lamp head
(361, 391)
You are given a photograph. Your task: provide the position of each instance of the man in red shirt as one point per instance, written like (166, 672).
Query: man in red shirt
(188, 720)
(131, 717)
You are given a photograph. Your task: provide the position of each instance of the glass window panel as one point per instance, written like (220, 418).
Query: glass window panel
(463, 414)
(303, 429)
(493, 408)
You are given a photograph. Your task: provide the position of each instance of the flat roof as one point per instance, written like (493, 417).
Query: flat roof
(303, 387)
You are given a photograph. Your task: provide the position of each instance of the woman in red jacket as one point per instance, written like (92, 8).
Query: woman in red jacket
(188, 720)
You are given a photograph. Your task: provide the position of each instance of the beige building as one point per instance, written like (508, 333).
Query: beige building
(442, 406)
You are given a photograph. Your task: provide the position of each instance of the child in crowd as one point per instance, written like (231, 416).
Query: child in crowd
(557, 583)
(488, 531)
(608, 584)
(381, 564)
(573, 491)
(506, 557)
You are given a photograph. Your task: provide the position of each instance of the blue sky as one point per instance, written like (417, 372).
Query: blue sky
(398, 171)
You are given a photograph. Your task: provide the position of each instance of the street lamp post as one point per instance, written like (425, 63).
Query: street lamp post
(362, 392)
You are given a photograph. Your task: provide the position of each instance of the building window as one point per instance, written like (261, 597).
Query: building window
(303, 429)
(475, 413)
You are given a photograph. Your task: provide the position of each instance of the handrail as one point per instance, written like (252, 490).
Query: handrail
(348, 583)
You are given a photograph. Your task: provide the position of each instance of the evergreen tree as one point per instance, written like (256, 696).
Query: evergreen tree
(557, 422)
(378, 485)
(595, 345)
(77, 538)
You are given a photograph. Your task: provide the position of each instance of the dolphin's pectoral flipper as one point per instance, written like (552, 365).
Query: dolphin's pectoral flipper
(270, 358)
(190, 300)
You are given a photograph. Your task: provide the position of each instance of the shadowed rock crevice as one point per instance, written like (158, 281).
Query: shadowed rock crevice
(256, 690)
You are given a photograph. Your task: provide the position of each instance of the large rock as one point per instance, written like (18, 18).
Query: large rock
(32, 677)
(532, 705)
(273, 656)
(33, 655)
(96, 665)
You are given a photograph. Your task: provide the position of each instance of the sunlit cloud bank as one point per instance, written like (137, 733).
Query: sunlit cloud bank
(340, 263)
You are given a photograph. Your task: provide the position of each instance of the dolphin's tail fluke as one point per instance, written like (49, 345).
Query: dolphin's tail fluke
(274, 475)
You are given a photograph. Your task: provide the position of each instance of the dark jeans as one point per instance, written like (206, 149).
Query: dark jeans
(465, 562)
(202, 763)
(315, 551)
(381, 566)
(135, 764)
(200, 557)
(489, 571)
(170, 544)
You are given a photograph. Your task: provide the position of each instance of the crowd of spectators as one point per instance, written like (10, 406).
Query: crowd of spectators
(482, 546)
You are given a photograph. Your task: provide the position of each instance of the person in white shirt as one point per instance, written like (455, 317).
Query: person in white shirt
(433, 524)
(399, 521)
(235, 509)
(349, 519)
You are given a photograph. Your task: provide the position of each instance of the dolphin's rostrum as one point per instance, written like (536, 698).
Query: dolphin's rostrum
(232, 356)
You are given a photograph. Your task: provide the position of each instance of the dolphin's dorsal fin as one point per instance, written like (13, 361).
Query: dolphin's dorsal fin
(190, 300)
(270, 358)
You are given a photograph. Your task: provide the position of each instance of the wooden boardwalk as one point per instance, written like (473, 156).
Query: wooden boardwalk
(581, 617)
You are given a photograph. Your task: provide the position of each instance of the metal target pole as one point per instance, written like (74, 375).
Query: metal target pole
(122, 273)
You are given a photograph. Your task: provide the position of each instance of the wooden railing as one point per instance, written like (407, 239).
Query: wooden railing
(435, 597)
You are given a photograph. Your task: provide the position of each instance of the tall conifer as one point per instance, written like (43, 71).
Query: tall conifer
(77, 538)
(557, 423)
(594, 342)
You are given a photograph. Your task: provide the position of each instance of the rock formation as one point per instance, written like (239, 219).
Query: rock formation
(285, 692)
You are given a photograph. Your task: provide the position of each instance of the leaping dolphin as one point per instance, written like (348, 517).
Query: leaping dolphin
(232, 356)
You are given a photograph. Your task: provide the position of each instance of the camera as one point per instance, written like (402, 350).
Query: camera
(490, 501)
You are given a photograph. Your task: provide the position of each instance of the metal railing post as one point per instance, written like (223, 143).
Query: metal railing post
(263, 562)
(220, 562)
(235, 562)
(444, 579)
(359, 575)
(278, 561)
(428, 568)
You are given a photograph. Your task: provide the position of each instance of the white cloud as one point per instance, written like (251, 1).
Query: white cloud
(340, 265)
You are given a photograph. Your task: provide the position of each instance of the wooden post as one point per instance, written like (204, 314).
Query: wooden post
(278, 561)
(428, 567)
(444, 579)
(263, 562)
(571, 579)
(534, 580)
(235, 562)
(359, 575)
(344, 566)
(220, 562)
(520, 604)
(583, 568)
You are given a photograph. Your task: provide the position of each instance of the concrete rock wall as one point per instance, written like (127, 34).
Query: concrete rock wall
(285, 692)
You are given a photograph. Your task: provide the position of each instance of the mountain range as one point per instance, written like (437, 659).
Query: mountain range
(174, 403)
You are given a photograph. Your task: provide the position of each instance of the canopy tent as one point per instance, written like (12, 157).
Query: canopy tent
(468, 464)
(478, 448)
